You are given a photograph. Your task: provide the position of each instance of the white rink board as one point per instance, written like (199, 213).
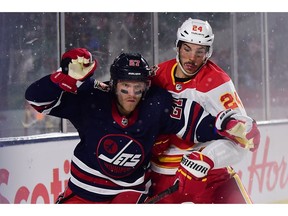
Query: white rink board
(265, 172)
(35, 173)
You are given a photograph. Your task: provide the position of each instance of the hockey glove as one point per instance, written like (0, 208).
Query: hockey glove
(241, 129)
(192, 173)
(101, 86)
(76, 66)
(161, 145)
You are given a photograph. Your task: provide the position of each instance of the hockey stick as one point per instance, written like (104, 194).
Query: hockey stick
(163, 194)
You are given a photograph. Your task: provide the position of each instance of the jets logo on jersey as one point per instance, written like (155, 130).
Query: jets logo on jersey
(119, 155)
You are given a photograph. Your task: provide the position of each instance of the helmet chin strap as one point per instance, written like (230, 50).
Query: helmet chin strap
(182, 69)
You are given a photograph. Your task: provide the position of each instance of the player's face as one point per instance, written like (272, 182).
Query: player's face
(129, 94)
(191, 57)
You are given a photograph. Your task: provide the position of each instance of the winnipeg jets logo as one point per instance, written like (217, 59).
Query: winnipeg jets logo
(119, 155)
(123, 159)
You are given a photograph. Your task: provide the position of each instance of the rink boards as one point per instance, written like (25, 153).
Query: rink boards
(35, 169)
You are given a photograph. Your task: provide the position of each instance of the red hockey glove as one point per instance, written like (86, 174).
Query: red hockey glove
(241, 129)
(76, 66)
(161, 145)
(78, 63)
(192, 173)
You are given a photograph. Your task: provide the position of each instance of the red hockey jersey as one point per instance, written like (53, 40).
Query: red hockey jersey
(211, 87)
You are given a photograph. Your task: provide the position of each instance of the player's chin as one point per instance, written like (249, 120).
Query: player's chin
(191, 72)
(130, 107)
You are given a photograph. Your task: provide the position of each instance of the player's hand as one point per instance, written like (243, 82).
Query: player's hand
(78, 63)
(76, 66)
(192, 173)
(101, 86)
(160, 145)
(241, 129)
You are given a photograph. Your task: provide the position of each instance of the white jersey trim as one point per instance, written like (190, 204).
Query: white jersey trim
(105, 191)
(94, 172)
(165, 171)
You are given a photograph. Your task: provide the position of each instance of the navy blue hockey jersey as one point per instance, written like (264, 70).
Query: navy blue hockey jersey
(114, 151)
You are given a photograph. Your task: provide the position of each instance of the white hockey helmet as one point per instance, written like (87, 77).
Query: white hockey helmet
(197, 32)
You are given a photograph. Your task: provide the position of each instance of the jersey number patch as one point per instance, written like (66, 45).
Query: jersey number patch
(229, 101)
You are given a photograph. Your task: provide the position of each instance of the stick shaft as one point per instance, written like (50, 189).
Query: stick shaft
(163, 194)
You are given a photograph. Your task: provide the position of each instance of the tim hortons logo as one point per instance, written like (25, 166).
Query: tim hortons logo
(266, 174)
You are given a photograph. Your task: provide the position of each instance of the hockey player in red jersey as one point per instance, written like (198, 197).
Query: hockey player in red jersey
(192, 75)
(118, 122)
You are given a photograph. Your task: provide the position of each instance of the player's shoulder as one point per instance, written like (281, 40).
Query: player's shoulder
(212, 69)
(90, 90)
(159, 95)
(211, 77)
(168, 62)
(158, 91)
(163, 66)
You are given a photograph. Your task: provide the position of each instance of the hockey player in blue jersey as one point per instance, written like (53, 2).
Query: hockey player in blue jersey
(118, 122)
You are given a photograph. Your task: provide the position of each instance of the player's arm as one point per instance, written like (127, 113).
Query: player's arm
(239, 128)
(43, 94)
(200, 126)
(77, 66)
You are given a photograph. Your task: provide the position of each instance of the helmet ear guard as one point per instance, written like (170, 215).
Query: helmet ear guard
(209, 52)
